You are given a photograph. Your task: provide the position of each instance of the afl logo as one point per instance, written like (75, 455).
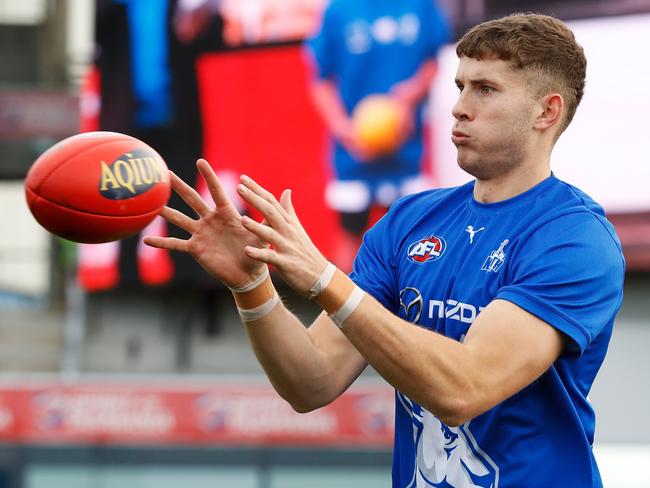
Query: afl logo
(428, 249)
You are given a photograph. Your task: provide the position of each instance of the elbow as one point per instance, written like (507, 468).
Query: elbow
(454, 420)
(306, 405)
(453, 410)
(303, 407)
(455, 415)
(306, 401)
(309, 395)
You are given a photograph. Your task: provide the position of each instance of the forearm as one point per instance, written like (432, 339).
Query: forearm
(308, 367)
(427, 367)
(505, 350)
(286, 352)
(329, 106)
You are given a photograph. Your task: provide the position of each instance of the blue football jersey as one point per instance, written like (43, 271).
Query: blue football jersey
(367, 46)
(437, 259)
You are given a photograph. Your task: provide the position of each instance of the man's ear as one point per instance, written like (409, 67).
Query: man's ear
(550, 113)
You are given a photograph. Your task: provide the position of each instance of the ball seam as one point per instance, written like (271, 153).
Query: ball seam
(49, 173)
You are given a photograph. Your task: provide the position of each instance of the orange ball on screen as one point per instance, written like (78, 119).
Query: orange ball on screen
(377, 120)
(97, 187)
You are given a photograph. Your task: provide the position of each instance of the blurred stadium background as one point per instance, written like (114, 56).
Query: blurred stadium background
(140, 386)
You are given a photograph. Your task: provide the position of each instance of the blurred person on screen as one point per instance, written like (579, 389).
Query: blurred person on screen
(365, 48)
(489, 306)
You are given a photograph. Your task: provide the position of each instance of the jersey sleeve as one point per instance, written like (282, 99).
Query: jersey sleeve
(569, 273)
(374, 268)
(323, 45)
(435, 27)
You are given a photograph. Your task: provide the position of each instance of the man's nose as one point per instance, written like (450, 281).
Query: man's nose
(461, 108)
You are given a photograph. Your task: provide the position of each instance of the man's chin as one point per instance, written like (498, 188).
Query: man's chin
(476, 169)
(468, 166)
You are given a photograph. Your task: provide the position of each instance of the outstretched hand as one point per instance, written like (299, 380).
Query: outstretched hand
(217, 238)
(292, 252)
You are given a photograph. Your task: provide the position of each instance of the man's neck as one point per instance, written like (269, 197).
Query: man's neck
(510, 185)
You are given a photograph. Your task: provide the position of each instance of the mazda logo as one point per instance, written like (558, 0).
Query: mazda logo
(410, 299)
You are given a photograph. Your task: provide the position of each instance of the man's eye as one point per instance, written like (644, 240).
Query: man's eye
(486, 90)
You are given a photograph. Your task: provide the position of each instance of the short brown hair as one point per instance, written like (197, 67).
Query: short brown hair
(539, 44)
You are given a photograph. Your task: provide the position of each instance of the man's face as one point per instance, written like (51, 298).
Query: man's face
(494, 117)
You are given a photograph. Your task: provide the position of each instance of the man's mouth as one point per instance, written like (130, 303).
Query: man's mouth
(459, 137)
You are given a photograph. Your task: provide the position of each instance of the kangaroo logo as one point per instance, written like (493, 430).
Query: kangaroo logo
(447, 457)
(496, 258)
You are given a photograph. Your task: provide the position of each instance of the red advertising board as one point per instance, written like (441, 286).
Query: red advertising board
(223, 414)
(37, 113)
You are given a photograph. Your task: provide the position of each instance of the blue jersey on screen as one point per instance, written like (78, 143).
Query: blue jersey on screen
(437, 259)
(366, 47)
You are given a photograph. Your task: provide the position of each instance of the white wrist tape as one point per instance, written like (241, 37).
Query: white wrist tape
(252, 284)
(348, 307)
(257, 298)
(322, 281)
(257, 313)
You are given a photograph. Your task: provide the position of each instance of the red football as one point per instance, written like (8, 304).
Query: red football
(97, 187)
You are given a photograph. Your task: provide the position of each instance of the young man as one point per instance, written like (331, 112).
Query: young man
(513, 280)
